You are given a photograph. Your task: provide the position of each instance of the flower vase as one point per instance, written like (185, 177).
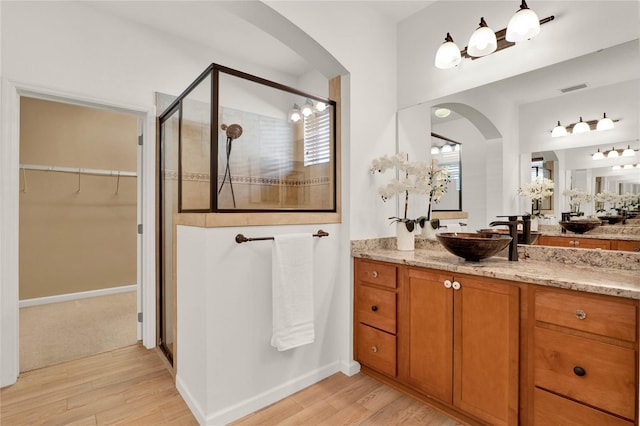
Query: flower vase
(405, 238)
(428, 232)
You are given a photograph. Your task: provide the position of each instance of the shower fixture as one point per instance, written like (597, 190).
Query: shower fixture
(234, 131)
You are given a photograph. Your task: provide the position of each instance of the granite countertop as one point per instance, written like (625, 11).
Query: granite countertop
(606, 232)
(617, 279)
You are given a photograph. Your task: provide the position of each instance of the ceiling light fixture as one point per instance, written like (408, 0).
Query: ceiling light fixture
(558, 131)
(580, 127)
(483, 41)
(604, 123)
(448, 54)
(597, 155)
(613, 153)
(442, 112)
(524, 25)
(628, 152)
(294, 114)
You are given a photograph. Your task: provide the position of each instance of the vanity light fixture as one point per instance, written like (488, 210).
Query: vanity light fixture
(320, 106)
(448, 54)
(435, 150)
(628, 152)
(580, 127)
(605, 123)
(442, 112)
(307, 108)
(446, 148)
(613, 153)
(598, 155)
(483, 41)
(558, 131)
(295, 115)
(523, 25)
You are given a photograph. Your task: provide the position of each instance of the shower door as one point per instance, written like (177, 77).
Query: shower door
(168, 187)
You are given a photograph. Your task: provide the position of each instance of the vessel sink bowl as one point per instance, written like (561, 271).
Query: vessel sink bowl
(473, 246)
(612, 220)
(534, 234)
(580, 226)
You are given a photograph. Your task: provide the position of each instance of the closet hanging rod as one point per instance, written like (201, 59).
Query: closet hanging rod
(242, 239)
(78, 170)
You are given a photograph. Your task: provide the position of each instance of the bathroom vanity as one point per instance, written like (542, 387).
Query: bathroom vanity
(497, 342)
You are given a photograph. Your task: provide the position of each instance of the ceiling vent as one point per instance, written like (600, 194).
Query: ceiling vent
(572, 88)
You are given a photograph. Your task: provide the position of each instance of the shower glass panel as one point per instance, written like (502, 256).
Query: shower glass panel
(195, 148)
(170, 135)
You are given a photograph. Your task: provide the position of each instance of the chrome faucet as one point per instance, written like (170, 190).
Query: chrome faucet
(512, 223)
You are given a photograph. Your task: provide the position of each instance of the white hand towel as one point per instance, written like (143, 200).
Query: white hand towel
(292, 282)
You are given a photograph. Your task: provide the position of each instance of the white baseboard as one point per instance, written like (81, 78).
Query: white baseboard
(248, 406)
(74, 296)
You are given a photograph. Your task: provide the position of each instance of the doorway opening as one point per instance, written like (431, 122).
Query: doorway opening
(79, 246)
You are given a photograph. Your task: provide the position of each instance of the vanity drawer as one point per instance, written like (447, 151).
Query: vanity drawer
(626, 245)
(377, 349)
(377, 307)
(608, 376)
(376, 273)
(596, 315)
(550, 409)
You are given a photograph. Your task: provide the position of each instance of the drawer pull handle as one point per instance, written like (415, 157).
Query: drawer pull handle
(374, 308)
(580, 314)
(456, 285)
(374, 274)
(579, 371)
(447, 284)
(374, 349)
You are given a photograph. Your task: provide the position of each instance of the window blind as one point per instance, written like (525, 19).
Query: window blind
(317, 138)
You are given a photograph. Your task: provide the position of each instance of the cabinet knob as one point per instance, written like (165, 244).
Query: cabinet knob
(636, 249)
(579, 371)
(374, 308)
(447, 284)
(577, 243)
(456, 285)
(580, 314)
(374, 349)
(374, 274)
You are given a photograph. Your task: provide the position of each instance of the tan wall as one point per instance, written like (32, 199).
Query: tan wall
(76, 241)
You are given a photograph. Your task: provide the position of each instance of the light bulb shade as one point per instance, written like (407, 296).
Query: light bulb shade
(613, 154)
(307, 108)
(616, 167)
(446, 148)
(580, 127)
(628, 152)
(294, 114)
(598, 155)
(604, 123)
(483, 41)
(448, 54)
(320, 106)
(435, 150)
(558, 131)
(524, 25)
(628, 166)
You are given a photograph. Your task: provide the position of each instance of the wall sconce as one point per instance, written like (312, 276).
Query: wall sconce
(295, 115)
(307, 108)
(614, 153)
(584, 126)
(435, 150)
(523, 25)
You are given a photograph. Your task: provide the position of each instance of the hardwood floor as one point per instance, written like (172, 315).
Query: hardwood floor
(131, 386)
(342, 400)
(125, 386)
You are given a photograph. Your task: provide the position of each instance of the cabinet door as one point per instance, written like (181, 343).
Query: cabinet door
(625, 245)
(591, 243)
(426, 332)
(486, 351)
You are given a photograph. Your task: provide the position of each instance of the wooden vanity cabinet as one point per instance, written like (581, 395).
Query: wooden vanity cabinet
(625, 245)
(574, 242)
(375, 310)
(459, 342)
(585, 351)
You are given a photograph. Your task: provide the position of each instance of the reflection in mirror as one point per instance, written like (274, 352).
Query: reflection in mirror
(447, 153)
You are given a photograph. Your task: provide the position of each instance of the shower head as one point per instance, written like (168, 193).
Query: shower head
(234, 131)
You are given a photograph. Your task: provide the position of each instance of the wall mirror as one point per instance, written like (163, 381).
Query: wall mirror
(448, 153)
(270, 147)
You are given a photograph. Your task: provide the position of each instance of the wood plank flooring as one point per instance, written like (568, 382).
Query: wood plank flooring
(131, 386)
(342, 400)
(126, 386)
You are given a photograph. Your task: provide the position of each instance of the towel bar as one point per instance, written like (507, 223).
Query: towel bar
(242, 239)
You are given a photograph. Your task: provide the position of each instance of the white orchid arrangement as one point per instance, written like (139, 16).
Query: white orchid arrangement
(629, 200)
(605, 197)
(577, 196)
(538, 190)
(416, 177)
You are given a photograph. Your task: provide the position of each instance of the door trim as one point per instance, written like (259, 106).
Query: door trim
(9, 199)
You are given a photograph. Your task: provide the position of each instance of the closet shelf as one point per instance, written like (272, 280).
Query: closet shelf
(80, 170)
